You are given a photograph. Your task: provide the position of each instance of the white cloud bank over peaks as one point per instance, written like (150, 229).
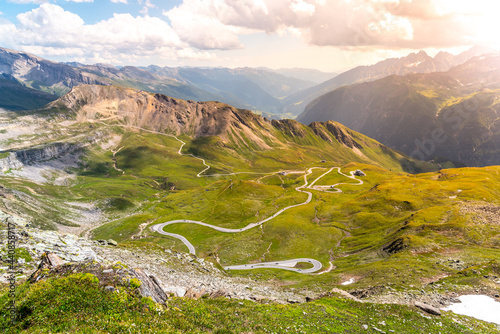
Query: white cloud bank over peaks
(123, 38)
(216, 24)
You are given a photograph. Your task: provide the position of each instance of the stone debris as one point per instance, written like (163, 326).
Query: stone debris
(341, 292)
(175, 273)
(53, 260)
(186, 275)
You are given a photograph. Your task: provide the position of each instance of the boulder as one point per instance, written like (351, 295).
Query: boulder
(293, 301)
(150, 286)
(49, 260)
(219, 293)
(112, 242)
(427, 308)
(52, 259)
(180, 292)
(194, 294)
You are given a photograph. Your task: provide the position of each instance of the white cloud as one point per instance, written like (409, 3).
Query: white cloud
(191, 22)
(195, 26)
(302, 7)
(217, 24)
(147, 4)
(50, 30)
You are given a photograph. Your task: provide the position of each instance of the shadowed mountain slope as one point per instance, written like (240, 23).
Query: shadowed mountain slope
(413, 63)
(452, 114)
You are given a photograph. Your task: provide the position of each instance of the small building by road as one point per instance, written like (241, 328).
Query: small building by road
(359, 172)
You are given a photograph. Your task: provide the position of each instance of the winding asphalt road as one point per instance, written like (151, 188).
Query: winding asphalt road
(285, 264)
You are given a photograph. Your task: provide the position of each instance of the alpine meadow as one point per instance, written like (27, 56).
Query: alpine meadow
(294, 166)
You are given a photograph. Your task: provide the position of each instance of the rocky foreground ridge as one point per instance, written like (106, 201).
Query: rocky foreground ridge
(175, 273)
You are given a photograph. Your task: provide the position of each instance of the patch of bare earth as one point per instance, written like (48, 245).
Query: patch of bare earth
(482, 213)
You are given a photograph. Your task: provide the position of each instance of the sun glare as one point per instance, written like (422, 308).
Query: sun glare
(482, 16)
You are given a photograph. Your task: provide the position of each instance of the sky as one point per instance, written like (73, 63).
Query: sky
(328, 35)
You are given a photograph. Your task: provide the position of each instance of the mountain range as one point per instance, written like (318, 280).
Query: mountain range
(256, 89)
(279, 93)
(419, 62)
(452, 115)
(221, 130)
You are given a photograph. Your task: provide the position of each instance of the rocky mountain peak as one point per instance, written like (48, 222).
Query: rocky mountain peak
(161, 113)
(56, 77)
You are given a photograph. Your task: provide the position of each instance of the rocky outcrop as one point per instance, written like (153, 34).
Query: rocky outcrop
(37, 155)
(341, 135)
(397, 245)
(49, 261)
(158, 112)
(289, 127)
(66, 154)
(68, 247)
(150, 286)
(10, 162)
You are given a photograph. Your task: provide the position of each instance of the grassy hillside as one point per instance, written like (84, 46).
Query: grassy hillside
(78, 303)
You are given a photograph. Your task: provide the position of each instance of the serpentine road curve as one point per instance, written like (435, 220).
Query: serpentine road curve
(285, 264)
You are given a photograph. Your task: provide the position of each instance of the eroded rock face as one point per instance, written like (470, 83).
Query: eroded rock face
(56, 150)
(150, 286)
(162, 113)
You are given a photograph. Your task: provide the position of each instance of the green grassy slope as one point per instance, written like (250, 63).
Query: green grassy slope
(79, 304)
(349, 228)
